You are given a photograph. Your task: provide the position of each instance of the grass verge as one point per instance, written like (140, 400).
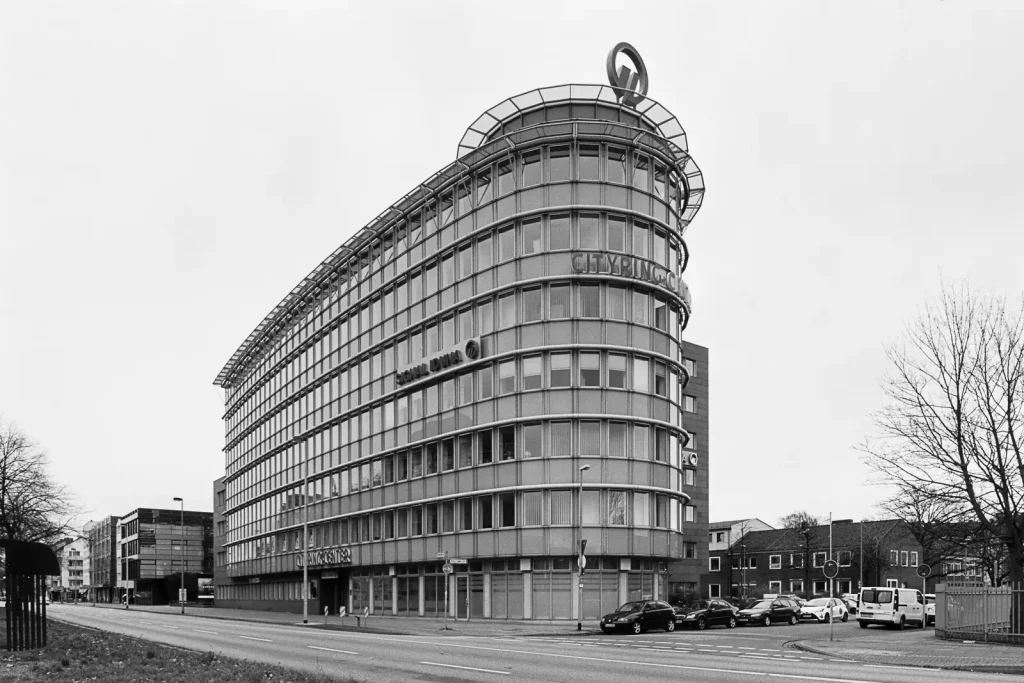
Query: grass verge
(74, 654)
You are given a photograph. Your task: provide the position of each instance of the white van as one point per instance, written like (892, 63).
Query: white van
(891, 607)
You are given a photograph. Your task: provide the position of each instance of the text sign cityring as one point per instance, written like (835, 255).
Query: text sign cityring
(629, 86)
(440, 363)
(602, 262)
(332, 556)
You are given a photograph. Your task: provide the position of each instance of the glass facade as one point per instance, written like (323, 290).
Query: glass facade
(438, 383)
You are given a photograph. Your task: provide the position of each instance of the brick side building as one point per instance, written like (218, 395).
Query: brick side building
(791, 561)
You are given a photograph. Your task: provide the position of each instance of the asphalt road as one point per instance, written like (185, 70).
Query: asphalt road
(744, 654)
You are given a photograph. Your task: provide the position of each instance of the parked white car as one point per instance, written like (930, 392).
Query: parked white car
(929, 608)
(824, 610)
(891, 607)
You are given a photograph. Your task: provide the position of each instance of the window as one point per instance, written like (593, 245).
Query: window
(796, 561)
(913, 558)
(715, 590)
(641, 447)
(507, 442)
(588, 229)
(796, 586)
(561, 439)
(616, 371)
(485, 447)
(506, 377)
(559, 507)
(688, 404)
(466, 388)
(485, 317)
(617, 439)
(616, 303)
(589, 164)
(889, 583)
(819, 560)
(641, 382)
(561, 370)
(640, 303)
(714, 564)
(616, 233)
(559, 233)
(531, 304)
(532, 237)
(506, 179)
(617, 165)
(660, 379)
(690, 367)
(590, 369)
(590, 437)
(820, 587)
(689, 513)
(904, 558)
(485, 512)
(485, 378)
(894, 558)
(775, 562)
(531, 168)
(559, 167)
(532, 440)
(465, 450)
(531, 373)
(466, 514)
(641, 509)
(484, 255)
(506, 244)
(844, 558)
(751, 561)
(507, 310)
(689, 550)
(640, 240)
(590, 301)
(465, 262)
(775, 587)
(533, 508)
(616, 507)
(507, 509)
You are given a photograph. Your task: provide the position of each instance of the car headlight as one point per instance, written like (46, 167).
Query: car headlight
(623, 620)
(690, 616)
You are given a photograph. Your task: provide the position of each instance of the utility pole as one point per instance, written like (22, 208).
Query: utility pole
(831, 582)
(861, 566)
(305, 531)
(580, 545)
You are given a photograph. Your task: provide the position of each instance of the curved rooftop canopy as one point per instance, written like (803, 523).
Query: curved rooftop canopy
(660, 119)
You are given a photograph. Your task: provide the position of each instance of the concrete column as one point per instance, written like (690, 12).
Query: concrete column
(394, 595)
(369, 595)
(487, 595)
(423, 597)
(348, 607)
(623, 587)
(657, 586)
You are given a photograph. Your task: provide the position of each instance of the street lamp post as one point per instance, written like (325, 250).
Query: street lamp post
(579, 624)
(305, 531)
(182, 586)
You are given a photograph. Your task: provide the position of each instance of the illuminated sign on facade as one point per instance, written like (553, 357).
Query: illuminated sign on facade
(443, 362)
(332, 556)
(601, 262)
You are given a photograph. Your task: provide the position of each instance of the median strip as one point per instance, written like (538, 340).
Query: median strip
(467, 668)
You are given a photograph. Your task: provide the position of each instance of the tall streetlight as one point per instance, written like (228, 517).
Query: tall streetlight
(181, 598)
(305, 528)
(579, 624)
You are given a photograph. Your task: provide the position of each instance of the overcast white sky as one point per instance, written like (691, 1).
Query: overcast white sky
(169, 171)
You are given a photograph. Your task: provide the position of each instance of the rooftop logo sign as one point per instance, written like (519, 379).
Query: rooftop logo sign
(622, 265)
(630, 86)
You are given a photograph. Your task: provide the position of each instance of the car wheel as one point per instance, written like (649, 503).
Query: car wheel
(731, 623)
(604, 629)
(671, 625)
(903, 623)
(846, 617)
(863, 624)
(767, 621)
(701, 624)
(637, 628)
(793, 620)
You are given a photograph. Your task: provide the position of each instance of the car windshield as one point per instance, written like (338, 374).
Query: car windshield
(876, 596)
(632, 607)
(763, 604)
(698, 604)
(929, 599)
(817, 602)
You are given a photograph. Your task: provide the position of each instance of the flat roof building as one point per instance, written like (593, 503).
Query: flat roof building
(157, 546)
(492, 371)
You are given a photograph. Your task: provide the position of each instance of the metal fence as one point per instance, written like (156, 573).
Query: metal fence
(982, 613)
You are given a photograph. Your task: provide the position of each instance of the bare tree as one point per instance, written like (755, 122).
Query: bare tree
(32, 506)
(952, 430)
(795, 520)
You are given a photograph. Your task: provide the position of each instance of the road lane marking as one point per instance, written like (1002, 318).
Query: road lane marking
(331, 649)
(198, 630)
(740, 647)
(169, 626)
(833, 659)
(889, 666)
(263, 640)
(468, 668)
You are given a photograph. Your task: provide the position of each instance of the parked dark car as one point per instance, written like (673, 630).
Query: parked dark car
(768, 612)
(703, 613)
(639, 616)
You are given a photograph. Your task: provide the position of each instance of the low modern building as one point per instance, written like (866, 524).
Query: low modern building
(102, 539)
(154, 547)
(491, 372)
(882, 553)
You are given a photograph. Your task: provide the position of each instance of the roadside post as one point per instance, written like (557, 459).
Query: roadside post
(831, 570)
(447, 569)
(923, 571)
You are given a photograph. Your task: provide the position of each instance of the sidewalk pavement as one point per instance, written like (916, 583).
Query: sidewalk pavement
(397, 625)
(920, 647)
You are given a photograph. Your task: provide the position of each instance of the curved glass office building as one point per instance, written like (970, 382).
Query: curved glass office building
(488, 371)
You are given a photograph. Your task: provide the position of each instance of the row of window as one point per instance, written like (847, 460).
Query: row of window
(818, 559)
(530, 304)
(595, 438)
(796, 586)
(370, 430)
(599, 507)
(609, 163)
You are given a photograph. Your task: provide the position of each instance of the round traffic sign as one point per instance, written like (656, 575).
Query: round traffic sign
(923, 571)
(831, 569)
(447, 568)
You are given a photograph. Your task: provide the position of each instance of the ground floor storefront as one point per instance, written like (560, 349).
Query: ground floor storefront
(522, 588)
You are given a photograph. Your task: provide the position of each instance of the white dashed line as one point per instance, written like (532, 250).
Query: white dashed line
(331, 649)
(262, 640)
(197, 630)
(468, 668)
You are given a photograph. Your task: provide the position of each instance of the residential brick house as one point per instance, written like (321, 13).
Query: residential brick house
(792, 561)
